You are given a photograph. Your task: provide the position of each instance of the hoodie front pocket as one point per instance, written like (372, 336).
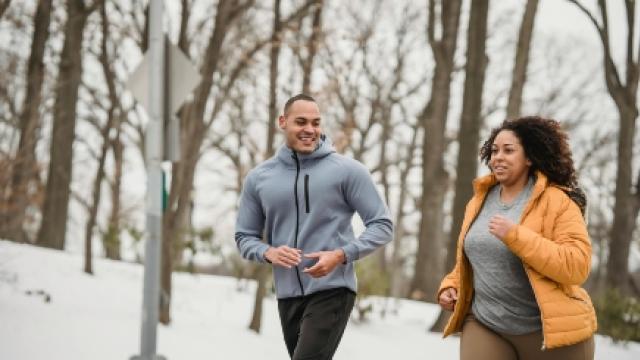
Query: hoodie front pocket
(306, 193)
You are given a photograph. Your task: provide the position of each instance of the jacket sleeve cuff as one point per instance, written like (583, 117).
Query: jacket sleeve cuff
(263, 249)
(350, 253)
(446, 284)
(511, 236)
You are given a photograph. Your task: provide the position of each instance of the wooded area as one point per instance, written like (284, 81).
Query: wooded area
(409, 88)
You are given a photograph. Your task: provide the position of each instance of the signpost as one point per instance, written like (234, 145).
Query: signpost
(160, 84)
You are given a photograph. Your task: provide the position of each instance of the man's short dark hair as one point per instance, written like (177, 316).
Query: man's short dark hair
(293, 99)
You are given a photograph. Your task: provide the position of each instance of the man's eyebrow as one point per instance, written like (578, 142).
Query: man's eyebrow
(304, 118)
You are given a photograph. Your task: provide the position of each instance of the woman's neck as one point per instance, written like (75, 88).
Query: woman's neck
(508, 192)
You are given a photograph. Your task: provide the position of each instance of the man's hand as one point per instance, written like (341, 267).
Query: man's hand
(327, 261)
(499, 226)
(283, 256)
(448, 298)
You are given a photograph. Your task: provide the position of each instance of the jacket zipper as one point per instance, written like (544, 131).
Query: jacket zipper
(295, 196)
(306, 193)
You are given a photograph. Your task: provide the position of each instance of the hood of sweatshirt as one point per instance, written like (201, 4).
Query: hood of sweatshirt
(324, 148)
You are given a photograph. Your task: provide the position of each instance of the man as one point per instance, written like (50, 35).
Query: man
(302, 200)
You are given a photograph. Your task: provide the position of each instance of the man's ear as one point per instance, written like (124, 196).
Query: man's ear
(282, 121)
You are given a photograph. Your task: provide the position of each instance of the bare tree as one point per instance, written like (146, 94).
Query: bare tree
(519, 77)
(624, 95)
(400, 231)
(370, 81)
(111, 239)
(312, 47)
(261, 271)
(469, 132)
(54, 213)
(24, 168)
(429, 266)
(195, 125)
(112, 113)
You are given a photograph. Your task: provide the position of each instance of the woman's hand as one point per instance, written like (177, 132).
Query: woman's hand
(448, 298)
(499, 226)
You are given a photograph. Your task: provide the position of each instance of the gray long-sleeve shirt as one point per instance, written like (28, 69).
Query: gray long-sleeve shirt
(307, 202)
(503, 298)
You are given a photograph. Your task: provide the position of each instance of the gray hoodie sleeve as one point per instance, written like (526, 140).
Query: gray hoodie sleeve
(250, 223)
(361, 194)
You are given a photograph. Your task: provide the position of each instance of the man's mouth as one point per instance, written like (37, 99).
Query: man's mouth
(307, 140)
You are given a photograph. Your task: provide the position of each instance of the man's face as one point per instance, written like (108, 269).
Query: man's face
(301, 125)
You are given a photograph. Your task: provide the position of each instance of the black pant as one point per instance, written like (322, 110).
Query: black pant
(313, 325)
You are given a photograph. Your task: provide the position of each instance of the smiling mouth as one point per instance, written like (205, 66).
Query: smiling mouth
(306, 139)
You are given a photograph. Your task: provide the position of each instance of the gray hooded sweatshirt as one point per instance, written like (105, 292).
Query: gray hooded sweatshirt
(307, 201)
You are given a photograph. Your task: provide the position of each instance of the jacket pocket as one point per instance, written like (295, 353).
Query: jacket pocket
(306, 193)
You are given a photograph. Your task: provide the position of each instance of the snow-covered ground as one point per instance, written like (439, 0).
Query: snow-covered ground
(98, 317)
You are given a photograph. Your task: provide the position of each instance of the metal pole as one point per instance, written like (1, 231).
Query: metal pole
(154, 154)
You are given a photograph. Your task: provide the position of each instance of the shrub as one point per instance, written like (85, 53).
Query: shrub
(372, 280)
(618, 316)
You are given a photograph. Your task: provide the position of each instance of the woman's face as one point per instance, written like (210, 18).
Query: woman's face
(508, 161)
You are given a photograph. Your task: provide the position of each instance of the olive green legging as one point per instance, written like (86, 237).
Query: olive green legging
(480, 343)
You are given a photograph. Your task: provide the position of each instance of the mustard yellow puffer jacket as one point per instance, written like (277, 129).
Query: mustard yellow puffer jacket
(552, 242)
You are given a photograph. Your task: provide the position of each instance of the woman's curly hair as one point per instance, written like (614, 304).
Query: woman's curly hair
(546, 145)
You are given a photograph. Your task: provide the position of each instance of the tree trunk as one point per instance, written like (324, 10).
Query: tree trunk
(25, 169)
(95, 199)
(111, 242)
(399, 230)
(54, 213)
(624, 96)
(469, 132)
(262, 270)
(193, 128)
(312, 47)
(519, 77)
(387, 131)
(623, 211)
(261, 275)
(429, 265)
(114, 104)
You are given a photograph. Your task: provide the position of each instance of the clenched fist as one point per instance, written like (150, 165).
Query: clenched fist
(448, 298)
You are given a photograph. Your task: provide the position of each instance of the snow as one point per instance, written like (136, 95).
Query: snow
(98, 317)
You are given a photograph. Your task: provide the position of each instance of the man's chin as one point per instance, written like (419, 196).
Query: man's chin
(304, 149)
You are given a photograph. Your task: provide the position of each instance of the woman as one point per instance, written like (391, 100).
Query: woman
(523, 252)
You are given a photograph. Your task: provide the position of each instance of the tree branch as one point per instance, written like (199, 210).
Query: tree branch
(611, 72)
(4, 5)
